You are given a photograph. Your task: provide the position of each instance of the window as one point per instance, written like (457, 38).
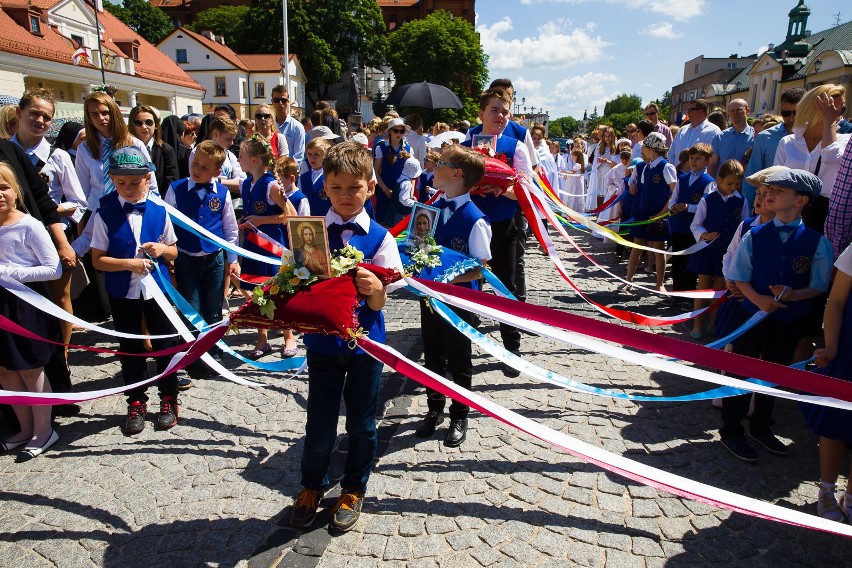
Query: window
(221, 91)
(78, 40)
(135, 53)
(35, 25)
(696, 68)
(259, 90)
(189, 109)
(180, 56)
(732, 65)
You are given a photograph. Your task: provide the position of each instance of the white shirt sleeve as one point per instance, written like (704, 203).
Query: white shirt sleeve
(675, 194)
(304, 208)
(670, 174)
(406, 193)
(230, 229)
(732, 250)
(697, 225)
(65, 180)
(844, 261)
(479, 240)
(521, 161)
(42, 252)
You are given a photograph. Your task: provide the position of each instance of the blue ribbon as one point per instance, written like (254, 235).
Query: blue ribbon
(198, 322)
(453, 264)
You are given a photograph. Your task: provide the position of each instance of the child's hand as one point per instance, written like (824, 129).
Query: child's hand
(141, 266)
(678, 208)
(155, 250)
(234, 269)
(709, 236)
(633, 190)
(783, 293)
(734, 289)
(769, 304)
(250, 221)
(367, 283)
(824, 356)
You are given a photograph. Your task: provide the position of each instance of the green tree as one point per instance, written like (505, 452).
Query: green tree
(223, 20)
(325, 35)
(665, 105)
(151, 23)
(443, 50)
(623, 103)
(565, 127)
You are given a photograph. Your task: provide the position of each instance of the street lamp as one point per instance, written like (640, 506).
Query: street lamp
(817, 65)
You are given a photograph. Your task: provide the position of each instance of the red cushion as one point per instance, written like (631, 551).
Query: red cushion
(327, 306)
(497, 174)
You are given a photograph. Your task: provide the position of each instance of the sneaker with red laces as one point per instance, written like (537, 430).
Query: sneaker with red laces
(346, 511)
(168, 416)
(135, 421)
(305, 507)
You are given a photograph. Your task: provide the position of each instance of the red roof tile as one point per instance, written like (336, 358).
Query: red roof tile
(52, 46)
(262, 61)
(254, 62)
(222, 51)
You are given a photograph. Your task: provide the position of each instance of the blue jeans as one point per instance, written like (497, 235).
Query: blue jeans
(201, 280)
(356, 378)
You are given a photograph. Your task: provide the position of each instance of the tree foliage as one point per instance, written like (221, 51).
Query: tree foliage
(443, 50)
(151, 23)
(623, 104)
(223, 20)
(325, 35)
(567, 126)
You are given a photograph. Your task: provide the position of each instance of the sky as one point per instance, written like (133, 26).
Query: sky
(568, 56)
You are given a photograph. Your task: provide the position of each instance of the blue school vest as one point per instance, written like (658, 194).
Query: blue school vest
(422, 184)
(498, 208)
(315, 192)
(723, 216)
(655, 192)
(254, 203)
(122, 244)
(454, 234)
(513, 129)
(370, 320)
(691, 195)
(207, 212)
(296, 199)
(787, 264)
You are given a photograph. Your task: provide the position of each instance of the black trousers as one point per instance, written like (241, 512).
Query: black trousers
(444, 348)
(682, 279)
(522, 226)
(504, 264)
(815, 213)
(771, 341)
(127, 317)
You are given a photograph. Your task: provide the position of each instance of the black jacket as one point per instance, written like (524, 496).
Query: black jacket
(165, 161)
(36, 198)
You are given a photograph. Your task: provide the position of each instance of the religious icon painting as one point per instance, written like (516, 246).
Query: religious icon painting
(485, 143)
(309, 242)
(422, 223)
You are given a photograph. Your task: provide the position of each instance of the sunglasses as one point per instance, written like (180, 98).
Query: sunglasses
(279, 100)
(787, 113)
(449, 165)
(651, 113)
(693, 109)
(631, 131)
(398, 130)
(146, 122)
(262, 116)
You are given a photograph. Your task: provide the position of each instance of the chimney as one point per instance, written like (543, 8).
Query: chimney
(771, 47)
(221, 39)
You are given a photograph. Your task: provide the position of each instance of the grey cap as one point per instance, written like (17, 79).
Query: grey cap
(129, 161)
(323, 132)
(800, 181)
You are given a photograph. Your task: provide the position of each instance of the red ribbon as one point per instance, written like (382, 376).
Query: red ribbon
(8, 325)
(733, 363)
(274, 249)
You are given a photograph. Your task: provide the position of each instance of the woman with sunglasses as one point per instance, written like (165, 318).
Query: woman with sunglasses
(389, 155)
(145, 125)
(265, 126)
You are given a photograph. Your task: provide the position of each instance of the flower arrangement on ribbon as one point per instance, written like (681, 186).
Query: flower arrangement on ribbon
(424, 254)
(292, 277)
(108, 89)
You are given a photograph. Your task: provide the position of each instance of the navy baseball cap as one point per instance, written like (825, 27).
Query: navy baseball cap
(800, 181)
(129, 161)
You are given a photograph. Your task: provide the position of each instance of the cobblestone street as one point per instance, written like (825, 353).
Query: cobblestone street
(216, 489)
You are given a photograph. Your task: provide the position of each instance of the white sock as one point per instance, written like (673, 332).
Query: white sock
(827, 487)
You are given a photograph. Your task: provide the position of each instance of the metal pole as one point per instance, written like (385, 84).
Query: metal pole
(100, 45)
(286, 50)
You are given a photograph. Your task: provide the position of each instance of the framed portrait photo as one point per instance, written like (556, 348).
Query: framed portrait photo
(309, 243)
(423, 222)
(487, 142)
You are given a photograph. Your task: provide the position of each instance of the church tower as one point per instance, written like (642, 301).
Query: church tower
(795, 44)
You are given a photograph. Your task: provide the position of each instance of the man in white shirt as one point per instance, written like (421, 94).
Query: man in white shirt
(731, 144)
(291, 128)
(699, 129)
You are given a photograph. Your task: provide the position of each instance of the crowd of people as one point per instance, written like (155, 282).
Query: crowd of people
(772, 200)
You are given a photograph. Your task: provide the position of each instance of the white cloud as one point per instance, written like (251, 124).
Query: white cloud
(570, 96)
(551, 48)
(663, 30)
(675, 9)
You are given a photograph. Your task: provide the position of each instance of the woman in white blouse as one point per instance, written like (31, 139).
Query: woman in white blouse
(815, 145)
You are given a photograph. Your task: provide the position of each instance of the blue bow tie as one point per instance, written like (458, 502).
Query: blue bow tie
(789, 229)
(337, 229)
(208, 187)
(131, 207)
(451, 205)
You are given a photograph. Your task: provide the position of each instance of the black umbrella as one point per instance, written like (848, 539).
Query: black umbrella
(426, 95)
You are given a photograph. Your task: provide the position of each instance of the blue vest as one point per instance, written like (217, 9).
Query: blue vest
(315, 192)
(454, 234)
(208, 213)
(513, 129)
(122, 243)
(498, 208)
(255, 203)
(422, 184)
(723, 217)
(370, 320)
(691, 195)
(296, 199)
(747, 226)
(787, 264)
(655, 192)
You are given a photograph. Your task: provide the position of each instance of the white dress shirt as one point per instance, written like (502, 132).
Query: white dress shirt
(793, 152)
